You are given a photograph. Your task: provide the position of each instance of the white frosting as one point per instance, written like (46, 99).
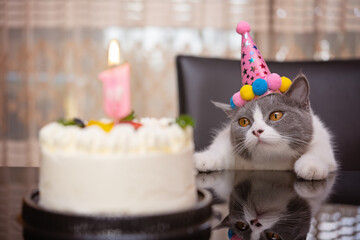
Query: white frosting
(124, 171)
(155, 135)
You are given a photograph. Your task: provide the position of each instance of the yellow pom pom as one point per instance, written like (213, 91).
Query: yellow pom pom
(285, 84)
(105, 126)
(246, 92)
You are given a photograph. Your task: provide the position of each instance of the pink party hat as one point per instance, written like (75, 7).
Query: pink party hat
(257, 79)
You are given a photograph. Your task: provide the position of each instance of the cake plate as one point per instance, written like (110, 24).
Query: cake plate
(41, 224)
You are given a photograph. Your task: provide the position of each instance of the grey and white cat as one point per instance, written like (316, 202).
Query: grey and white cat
(274, 132)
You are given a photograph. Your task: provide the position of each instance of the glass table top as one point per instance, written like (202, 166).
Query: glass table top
(277, 205)
(246, 204)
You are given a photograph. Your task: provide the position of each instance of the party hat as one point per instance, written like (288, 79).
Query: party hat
(257, 79)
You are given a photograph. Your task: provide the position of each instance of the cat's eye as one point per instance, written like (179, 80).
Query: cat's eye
(242, 226)
(244, 122)
(275, 116)
(272, 236)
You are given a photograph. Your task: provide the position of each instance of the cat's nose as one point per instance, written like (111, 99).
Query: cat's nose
(256, 223)
(257, 132)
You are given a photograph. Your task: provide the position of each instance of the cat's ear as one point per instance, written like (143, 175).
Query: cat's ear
(224, 223)
(299, 90)
(225, 107)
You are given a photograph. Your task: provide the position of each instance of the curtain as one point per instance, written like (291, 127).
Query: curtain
(51, 52)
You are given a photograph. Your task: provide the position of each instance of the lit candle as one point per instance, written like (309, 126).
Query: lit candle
(116, 85)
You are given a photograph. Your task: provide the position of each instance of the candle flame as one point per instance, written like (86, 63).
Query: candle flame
(114, 53)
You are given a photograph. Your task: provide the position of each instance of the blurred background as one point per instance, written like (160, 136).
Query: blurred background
(51, 52)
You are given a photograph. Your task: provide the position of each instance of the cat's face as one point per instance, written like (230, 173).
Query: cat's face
(273, 125)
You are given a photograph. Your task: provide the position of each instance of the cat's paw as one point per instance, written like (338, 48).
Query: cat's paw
(333, 166)
(310, 168)
(205, 162)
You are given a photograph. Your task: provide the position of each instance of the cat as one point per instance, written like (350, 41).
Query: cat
(274, 132)
(268, 205)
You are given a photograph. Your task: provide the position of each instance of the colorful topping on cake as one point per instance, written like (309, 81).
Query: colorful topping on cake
(73, 122)
(134, 124)
(185, 120)
(104, 126)
(129, 117)
(142, 135)
(107, 125)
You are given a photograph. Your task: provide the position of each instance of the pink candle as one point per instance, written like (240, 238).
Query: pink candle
(116, 85)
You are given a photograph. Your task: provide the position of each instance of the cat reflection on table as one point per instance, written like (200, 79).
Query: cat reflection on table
(274, 132)
(266, 205)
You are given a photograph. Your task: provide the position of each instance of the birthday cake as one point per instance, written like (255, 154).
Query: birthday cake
(135, 167)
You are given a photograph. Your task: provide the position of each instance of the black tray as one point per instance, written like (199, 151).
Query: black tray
(40, 223)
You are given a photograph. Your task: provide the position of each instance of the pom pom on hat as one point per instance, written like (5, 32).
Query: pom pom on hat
(259, 86)
(246, 92)
(232, 105)
(285, 84)
(243, 27)
(237, 100)
(274, 81)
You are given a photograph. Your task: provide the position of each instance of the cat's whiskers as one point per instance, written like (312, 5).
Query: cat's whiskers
(240, 147)
(295, 140)
(289, 138)
(297, 135)
(252, 145)
(277, 144)
(239, 151)
(273, 141)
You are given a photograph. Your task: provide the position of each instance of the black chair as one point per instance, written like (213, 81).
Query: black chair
(334, 94)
